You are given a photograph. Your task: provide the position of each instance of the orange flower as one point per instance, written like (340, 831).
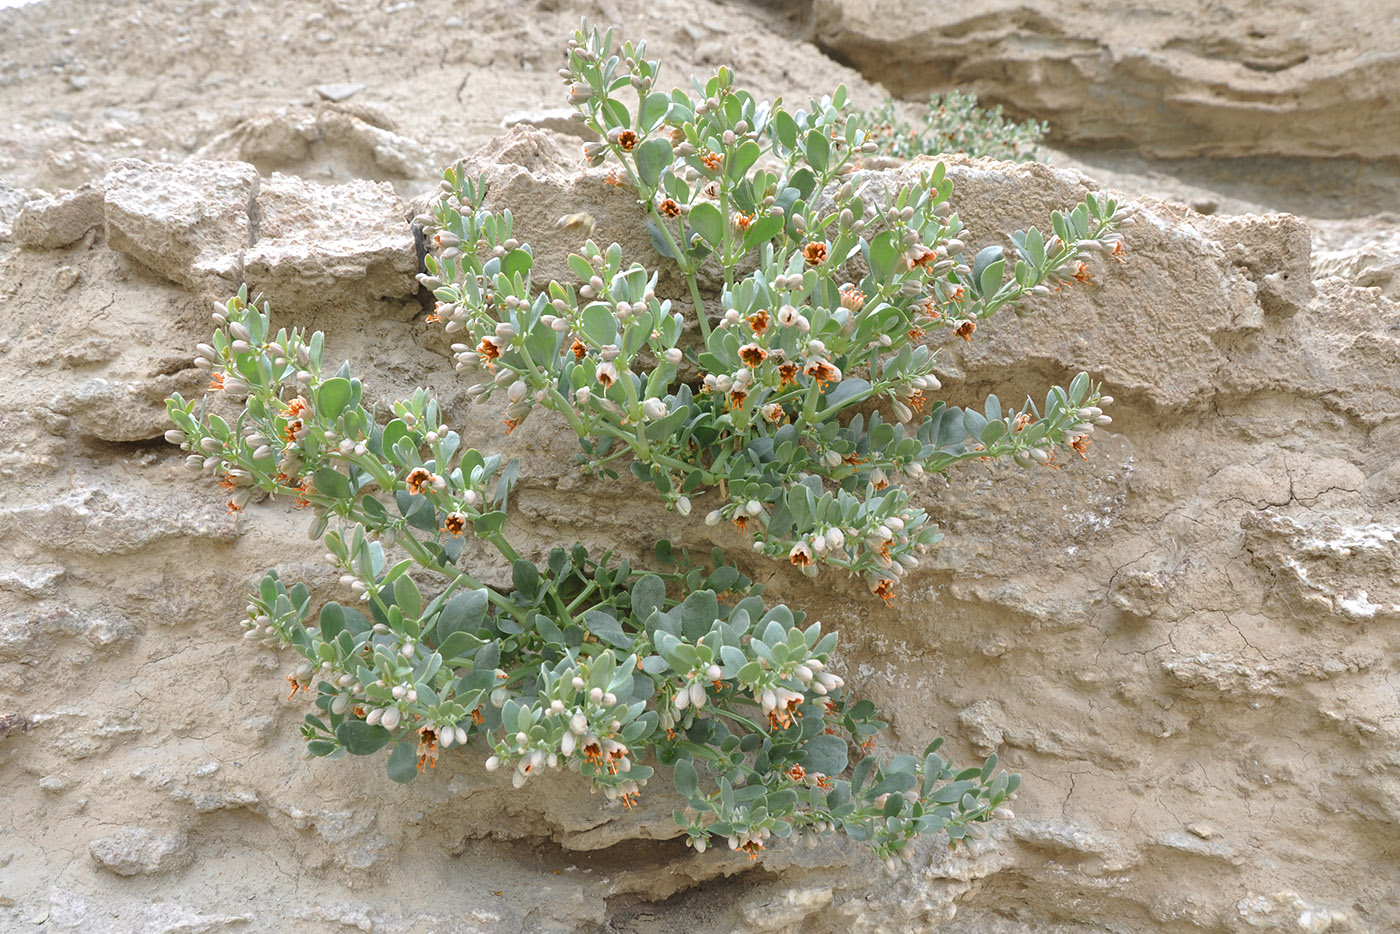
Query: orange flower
(917, 401)
(884, 589)
(216, 382)
(488, 349)
(1081, 446)
(741, 523)
(1082, 274)
(627, 140)
(669, 208)
(965, 330)
(427, 748)
(742, 221)
(454, 523)
(711, 160)
(418, 478)
(822, 371)
(752, 355)
(736, 398)
(814, 253)
(759, 321)
(788, 373)
(579, 350)
(797, 773)
(852, 299)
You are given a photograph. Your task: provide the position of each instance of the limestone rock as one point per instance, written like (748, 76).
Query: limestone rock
(138, 851)
(54, 222)
(1174, 80)
(329, 246)
(188, 222)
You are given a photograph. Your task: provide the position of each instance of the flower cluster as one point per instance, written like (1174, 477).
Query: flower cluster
(602, 669)
(794, 402)
(814, 400)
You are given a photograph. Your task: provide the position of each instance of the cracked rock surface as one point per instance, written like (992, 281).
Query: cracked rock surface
(1187, 644)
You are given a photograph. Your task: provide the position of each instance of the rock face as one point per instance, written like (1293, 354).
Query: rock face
(1186, 644)
(1172, 79)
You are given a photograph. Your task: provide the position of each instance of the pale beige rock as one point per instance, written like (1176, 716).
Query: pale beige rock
(139, 851)
(1185, 644)
(54, 222)
(330, 246)
(1180, 78)
(188, 222)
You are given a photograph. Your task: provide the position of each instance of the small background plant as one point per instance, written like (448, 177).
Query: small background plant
(954, 123)
(795, 399)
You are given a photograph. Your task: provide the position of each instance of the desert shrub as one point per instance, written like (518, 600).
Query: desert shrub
(954, 123)
(793, 402)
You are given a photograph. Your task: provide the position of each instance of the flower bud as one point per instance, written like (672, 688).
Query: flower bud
(683, 505)
(674, 356)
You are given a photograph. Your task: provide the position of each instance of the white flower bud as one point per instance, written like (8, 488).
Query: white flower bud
(582, 395)
(653, 409)
(674, 356)
(493, 763)
(753, 507)
(714, 518)
(683, 505)
(390, 718)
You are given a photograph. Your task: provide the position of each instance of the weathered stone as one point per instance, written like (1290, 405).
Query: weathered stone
(137, 851)
(330, 246)
(188, 222)
(54, 222)
(1183, 79)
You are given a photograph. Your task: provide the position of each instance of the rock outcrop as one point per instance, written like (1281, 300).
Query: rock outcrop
(1173, 79)
(1182, 643)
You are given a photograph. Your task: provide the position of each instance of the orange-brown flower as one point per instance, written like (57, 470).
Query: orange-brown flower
(923, 260)
(579, 350)
(822, 371)
(511, 424)
(787, 372)
(797, 773)
(488, 349)
(418, 478)
(1021, 420)
(752, 355)
(741, 522)
(669, 208)
(1119, 253)
(759, 321)
(1081, 446)
(711, 160)
(852, 298)
(297, 406)
(427, 748)
(1082, 274)
(884, 589)
(627, 141)
(736, 398)
(454, 523)
(216, 382)
(814, 253)
(742, 221)
(965, 330)
(917, 401)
